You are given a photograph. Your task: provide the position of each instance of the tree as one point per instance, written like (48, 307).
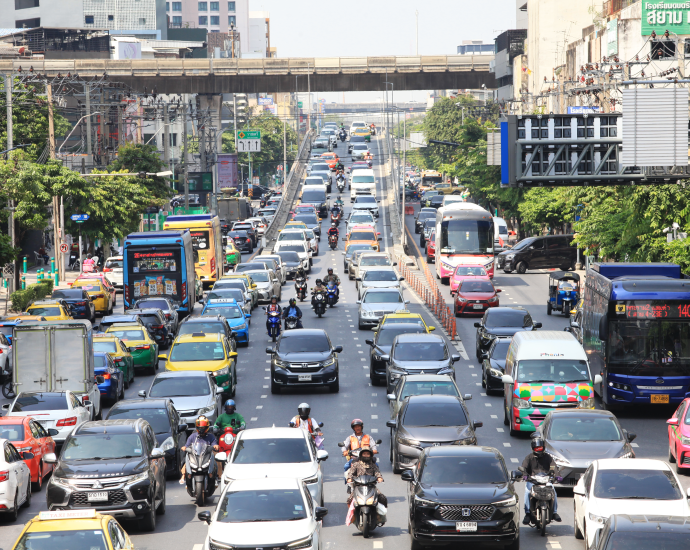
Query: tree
(140, 157)
(544, 208)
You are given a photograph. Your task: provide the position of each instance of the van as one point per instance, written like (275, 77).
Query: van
(546, 252)
(362, 182)
(317, 197)
(500, 233)
(545, 370)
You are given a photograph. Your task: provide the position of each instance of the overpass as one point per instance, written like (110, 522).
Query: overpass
(277, 75)
(356, 108)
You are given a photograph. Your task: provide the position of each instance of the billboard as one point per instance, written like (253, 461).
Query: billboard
(660, 16)
(265, 101)
(128, 50)
(417, 140)
(227, 171)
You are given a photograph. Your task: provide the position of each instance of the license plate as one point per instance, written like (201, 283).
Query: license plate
(465, 525)
(659, 398)
(97, 497)
(304, 377)
(477, 306)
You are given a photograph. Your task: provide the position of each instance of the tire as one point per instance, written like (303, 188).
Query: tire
(275, 388)
(14, 513)
(576, 527)
(39, 483)
(8, 391)
(483, 378)
(521, 268)
(680, 471)
(455, 309)
(199, 495)
(548, 308)
(122, 393)
(542, 527)
(507, 271)
(515, 545)
(161, 507)
(148, 523)
(27, 502)
(365, 526)
(671, 458)
(505, 414)
(335, 386)
(125, 386)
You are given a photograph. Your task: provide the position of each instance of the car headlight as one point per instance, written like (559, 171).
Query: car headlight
(461, 300)
(207, 410)
(685, 440)
(167, 445)
(59, 481)
(143, 476)
(495, 372)
(512, 501)
(510, 256)
(328, 362)
(447, 266)
(559, 460)
(586, 403)
(597, 519)
(367, 314)
(240, 327)
(424, 502)
(409, 442)
(302, 543)
(311, 480)
(522, 404)
(281, 363)
(215, 545)
(221, 372)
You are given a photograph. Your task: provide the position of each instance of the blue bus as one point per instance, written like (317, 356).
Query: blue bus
(636, 332)
(160, 264)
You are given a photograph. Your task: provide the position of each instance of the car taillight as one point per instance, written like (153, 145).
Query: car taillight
(127, 293)
(99, 296)
(106, 376)
(71, 421)
(249, 240)
(4, 475)
(119, 360)
(184, 291)
(106, 269)
(81, 303)
(143, 347)
(157, 326)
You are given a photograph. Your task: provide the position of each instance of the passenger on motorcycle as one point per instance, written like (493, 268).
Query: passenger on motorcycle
(273, 306)
(202, 432)
(293, 311)
(304, 421)
(357, 442)
(536, 463)
(318, 288)
(89, 264)
(339, 166)
(365, 466)
(334, 278)
(230, 418)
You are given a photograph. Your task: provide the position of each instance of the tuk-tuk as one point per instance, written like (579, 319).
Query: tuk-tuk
(564, 292)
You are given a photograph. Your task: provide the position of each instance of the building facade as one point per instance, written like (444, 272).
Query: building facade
(214, 16)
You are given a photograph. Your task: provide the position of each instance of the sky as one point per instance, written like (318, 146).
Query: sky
(353, 28)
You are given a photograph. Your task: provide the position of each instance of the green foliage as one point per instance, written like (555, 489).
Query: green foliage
(140, 157)
(21, 299)
(543, 208)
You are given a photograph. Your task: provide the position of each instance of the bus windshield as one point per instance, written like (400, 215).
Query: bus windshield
(466, 237)
(155, 272)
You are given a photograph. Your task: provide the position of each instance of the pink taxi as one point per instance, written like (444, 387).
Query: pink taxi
(679, 436)
(465, 272)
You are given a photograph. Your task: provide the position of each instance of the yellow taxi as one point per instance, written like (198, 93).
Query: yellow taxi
(364, 132)
(405, 316)
(103, 299)
(251, 285)
(51, 310)
(206, 352)
(73, 529)
(119, 352)
(300, 225)
(139, 343)
(24, 317)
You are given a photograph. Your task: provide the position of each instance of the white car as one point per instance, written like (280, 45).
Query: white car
(367, 203)
(623, 486)
(377, 277)
(15, 479)
(113, 270)
(276, 452)
(287, 516)
(260, 224)
(281, 265)
(360, 217)
(268, 213)
(59, 410)
(313, 242)
(302, 249)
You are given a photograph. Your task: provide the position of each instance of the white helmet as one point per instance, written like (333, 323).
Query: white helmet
(304, 409)
(333, 225)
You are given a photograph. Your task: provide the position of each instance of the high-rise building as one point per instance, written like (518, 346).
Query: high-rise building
(214, 16)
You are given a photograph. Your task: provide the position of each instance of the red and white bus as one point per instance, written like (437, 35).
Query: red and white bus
(464, 236)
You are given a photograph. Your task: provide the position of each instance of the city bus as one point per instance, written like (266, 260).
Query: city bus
(464, 236)
(636, 332)
(429, 178)
(207, 241)
(160, 263)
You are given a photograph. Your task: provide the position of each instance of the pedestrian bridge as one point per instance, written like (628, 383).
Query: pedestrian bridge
(276, 75)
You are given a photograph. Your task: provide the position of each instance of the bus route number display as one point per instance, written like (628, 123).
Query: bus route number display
(655, 309)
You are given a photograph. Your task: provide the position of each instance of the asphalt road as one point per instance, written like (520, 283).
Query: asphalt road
(180, 529)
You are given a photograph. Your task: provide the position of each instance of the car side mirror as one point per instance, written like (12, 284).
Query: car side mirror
(455, 358)
(672, 422)
(537, 325)
(6, 406)
(341, 444)
(86, 403)
(338, 349)
(358, 278)
(320, 512)
(321, 455)
(401, 279)
(574, 324)
(270, 351)
(431, 329)
(100, 379)
(467, 397)
(50, 458)
(385, 358)
(478, 424)
(205, 517)
(369, 342)
(222, 456)
(163, 356)
(157, 453)
(598, 379)
(52, 432)
(514, 475)
(358, 302)
(578, 491)
(181, 428)
(507, 379)
(142, 393)
(407, 475)
(391, 423)
(26, 455)
(477, 325)
(631, 437)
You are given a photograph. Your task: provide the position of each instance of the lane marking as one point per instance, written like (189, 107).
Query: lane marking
(506, 444)
(487, 404)
(378, 544)
(374, 430)
(500, 430)
(515, 460)
(634, 445)
(259, 406)
(494, 416)
(483, 394)
(264, 396)
(374, 416)
(252, 419)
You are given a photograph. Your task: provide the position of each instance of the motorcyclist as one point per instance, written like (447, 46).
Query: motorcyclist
(202, 432)
(273, 306)
(359, 439)
(293, 311)
(333, 230)
(89, 264)
(365, 466)
(318, 288)
(339, 202)
(536, 463)
(339, 166)
(335, 210)
(230, 418)
(332, 277)
(304, 421)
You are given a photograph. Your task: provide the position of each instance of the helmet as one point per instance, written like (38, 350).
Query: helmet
(292, 301)
(274, 297)
(330, 270)
(333, 225)
(538, 446)
(368, 450)
(89, 256)
(202, 425)
(304, 409)
(319, 281)
(229, 404)
(356, 422)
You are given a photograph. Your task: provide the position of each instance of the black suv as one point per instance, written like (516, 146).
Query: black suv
(501, 321)
(114, 466)
(249, 228)
(424, 214)
(549, 251)
(110, 320)
(462, 494)
(243, 241)
(157, 325)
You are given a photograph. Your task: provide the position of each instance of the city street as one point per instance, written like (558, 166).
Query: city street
(180, 529)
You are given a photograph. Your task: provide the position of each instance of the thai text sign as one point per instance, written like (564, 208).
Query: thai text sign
(662, 16)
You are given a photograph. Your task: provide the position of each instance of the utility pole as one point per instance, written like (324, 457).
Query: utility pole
(416, 16)
(10, 145)
(56, 203)
(202, 143)
(404, 169)
(309, 98)
(184, 155)
(87, 92)
(166, 136)
(101, 150)
(284, 153)
(234, 116)
(120, 126)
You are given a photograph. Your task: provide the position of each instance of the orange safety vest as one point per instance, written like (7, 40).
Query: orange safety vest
(310, 426)
(354, 442)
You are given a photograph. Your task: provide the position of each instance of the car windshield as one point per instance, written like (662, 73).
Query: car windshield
(158, 304)
(476, 286)
(583, 428)
(355, 248)
(45, 311)
(261, 505)
(302, 343)
(362, 236)
(99, 361)
(382, 298)
(291, 236)
(91, 539)
(271, 451)
(13, 432)
(112, 264)
(238, 234)
(380, 276)
(40, 402)
(229, 284)
(500, 350)
(386, 335)
(309, 219)
(158, 418)
(197, 351)
(361, 218)
(556, 371)
(102, 446)
(522, 244)
(636, 484)
(474, 271)
(180, 386)
(451, 470)
(643, 540)
(288, 256)
(420, 351)
(368, 199)
(229, 312)
(374, 260)
(207, 327)
(69, 294)
(313, 195)
(260, 276)
(428, 388)
(127, 334)
(292, 248)
(226, 293)
(435, 414)
(507, 318)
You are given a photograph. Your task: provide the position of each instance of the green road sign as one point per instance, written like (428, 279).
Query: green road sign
(248, 134)
(299, 104)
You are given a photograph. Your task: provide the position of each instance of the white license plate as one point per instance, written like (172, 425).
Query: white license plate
(477, 306)
(465, 525)
(97, 497)
(304, 377)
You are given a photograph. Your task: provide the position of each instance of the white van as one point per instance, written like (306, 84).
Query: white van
(448, 199)
(362, 182)
(500, 230)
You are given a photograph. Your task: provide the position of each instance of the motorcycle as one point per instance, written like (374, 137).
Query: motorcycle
(226, 442)
(353, 454)
(335, 217)
(368, 514)
(372, 131)
(341, 184)
(273, 324)
(331, 294)
(301, 288)
(541, 499)
(333, 241)
(291, 322)
(197, 464)
(318, 302)
(343, 136)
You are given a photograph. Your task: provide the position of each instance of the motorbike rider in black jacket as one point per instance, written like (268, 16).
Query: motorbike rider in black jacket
(293, 311)
(538, 462)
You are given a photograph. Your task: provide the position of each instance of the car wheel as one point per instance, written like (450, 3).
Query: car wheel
(505, 414)
(679, 470)
(671, 458)
(27, 502)
(14, 513)
(548, 308)
(508, 271)
(275, 388)
(483, 377)
(161, 507)
(396, 467)
(521, 268)
(576, 527)
(148, 523)
(39, 482)
(335, 386)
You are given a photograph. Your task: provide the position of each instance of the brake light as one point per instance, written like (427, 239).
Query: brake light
(99, 296)
(249, 240)
(127, 293)
(157, 326)
(119, 360)
(84, 398)
(71, 421)
(4, 475)
(106, 269)
(106, 376)
(81, 303)
(143, 347)
(184, 291)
